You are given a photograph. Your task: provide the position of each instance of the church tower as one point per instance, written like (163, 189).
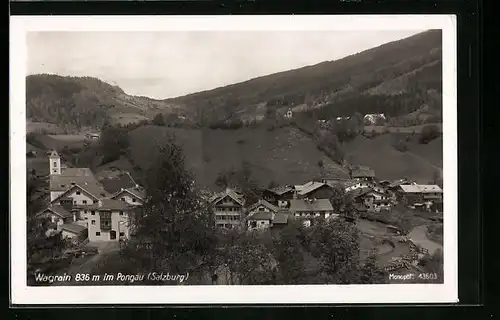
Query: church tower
(55, 163)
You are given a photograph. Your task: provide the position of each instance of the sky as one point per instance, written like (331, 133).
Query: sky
(164, 65)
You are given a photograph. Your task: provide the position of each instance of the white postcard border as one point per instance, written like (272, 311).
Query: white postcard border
(316, 294)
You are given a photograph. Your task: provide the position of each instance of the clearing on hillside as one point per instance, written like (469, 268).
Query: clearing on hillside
(285, 156)
(389, 163)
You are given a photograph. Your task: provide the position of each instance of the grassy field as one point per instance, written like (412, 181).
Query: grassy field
(389, 163)
(284, 155)
(59, 141)
(38, 126)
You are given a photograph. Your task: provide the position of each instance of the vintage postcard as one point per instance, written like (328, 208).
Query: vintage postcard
(233, 159)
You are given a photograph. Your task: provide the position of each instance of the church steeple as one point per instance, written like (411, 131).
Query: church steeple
(54, 163)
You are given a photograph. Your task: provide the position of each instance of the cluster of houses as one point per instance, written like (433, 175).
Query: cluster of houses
(80, 207)
(312, 200)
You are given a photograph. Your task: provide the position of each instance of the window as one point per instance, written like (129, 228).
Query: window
(78, 193)
(262, 222)
(96, 201)
(92, 212)
(63, 185)
(72, 183)
(261, 209)
(133, 200)
(97, 233)
(122, 234)
(55, 163)
(74, 202)
(105, 220)
(55, 170)
(121, 213)
(84, 201)
(93, 222)
(123, 199)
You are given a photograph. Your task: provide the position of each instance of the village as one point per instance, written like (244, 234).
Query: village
(393, 217)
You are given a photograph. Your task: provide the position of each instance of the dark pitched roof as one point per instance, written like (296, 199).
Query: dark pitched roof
(230, 193)
(281, 218)
(309, 187)
(115, 184)
(79, 176)
(305, 205)
(58, 210)
(265, 204)
(261, 215)
(359, 192)
(280, 190)
(135, 191)
(72, 227)
(138, 192)
(110, 204)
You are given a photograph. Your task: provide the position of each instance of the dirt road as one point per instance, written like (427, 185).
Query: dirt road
(419, 236)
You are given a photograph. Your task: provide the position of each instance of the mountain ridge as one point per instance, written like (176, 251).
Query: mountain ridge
(333, 87)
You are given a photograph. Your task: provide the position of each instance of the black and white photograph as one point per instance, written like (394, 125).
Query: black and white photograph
(264, 159)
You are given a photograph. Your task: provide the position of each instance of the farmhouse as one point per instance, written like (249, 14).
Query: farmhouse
(307, 208)
(260, 215)
(228, 208)
(279, 195)
(362, 172)
(77, 198)
(314, 190)
(74, 231)
(354, 184)
(371, 199)
(419, 194)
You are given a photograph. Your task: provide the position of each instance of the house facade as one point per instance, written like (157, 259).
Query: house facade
(308, 208)
(279, 196)
(418, 194)
(228, 208)
(260, 216)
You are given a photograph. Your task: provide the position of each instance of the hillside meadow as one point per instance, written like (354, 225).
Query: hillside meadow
(418, 163)
(285, 155)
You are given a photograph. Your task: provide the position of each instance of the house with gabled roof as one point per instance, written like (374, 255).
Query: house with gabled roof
(260, 215)
(362, 172)
(228, 207)
(420, 194)
(314, 190)
(309, 208)
(280, 195)
(134, 196)
(78, 200)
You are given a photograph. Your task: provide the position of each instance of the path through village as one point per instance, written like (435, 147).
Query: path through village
(419, 236)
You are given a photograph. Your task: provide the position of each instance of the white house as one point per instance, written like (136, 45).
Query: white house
(261, 215)
(228, 208)
(133, 196)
